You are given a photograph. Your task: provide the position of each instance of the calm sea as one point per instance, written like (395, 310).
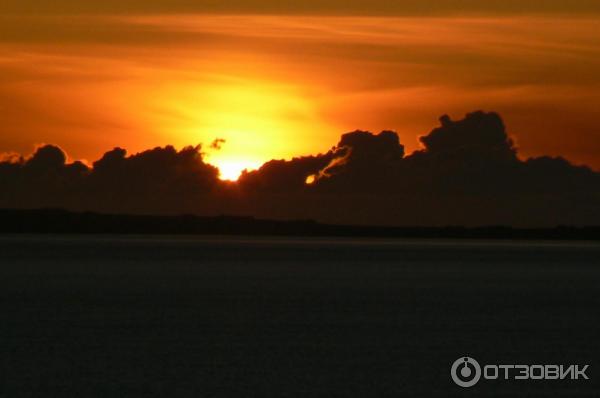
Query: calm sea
(160, 316)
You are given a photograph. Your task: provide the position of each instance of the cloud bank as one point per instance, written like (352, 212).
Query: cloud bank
(468, 172)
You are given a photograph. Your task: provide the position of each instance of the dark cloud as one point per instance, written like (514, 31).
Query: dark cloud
(151, 181)
(362, 161)
(155, 171)
(47, 157)
(282, 175)
(160, 179)
(479, 133)
(467, 172)
(44, 179)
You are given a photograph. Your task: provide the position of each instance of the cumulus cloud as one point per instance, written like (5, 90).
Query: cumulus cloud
(357, 158)
(150, 181)
(467, 172)
(47, 157)
(155, 171)
(282, 175)
(479, 132)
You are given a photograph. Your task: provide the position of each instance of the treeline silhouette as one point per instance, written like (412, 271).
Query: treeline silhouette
(59, 221)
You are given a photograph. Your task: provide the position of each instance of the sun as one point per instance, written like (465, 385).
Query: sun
(231, 169)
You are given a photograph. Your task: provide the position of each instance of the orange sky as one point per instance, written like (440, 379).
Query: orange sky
(275, 86)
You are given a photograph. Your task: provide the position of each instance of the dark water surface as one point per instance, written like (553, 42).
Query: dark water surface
(110, 316)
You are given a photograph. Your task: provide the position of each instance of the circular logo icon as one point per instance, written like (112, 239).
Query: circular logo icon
(465, 372)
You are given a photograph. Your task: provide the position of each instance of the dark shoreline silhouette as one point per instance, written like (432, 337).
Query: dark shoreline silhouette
(59, 221)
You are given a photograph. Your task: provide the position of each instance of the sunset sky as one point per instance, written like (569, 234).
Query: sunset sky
(278, 79)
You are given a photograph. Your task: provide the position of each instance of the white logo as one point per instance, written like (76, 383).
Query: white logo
(465, 372)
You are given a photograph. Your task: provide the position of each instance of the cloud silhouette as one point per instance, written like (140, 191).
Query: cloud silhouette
(468, 172)
(217, 143)
(363, 160)
(284, 175)
(479, 132)
(48, 157)
(155, 171)
(157, 180)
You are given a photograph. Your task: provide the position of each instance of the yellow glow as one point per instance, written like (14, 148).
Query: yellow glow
(258, 119)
